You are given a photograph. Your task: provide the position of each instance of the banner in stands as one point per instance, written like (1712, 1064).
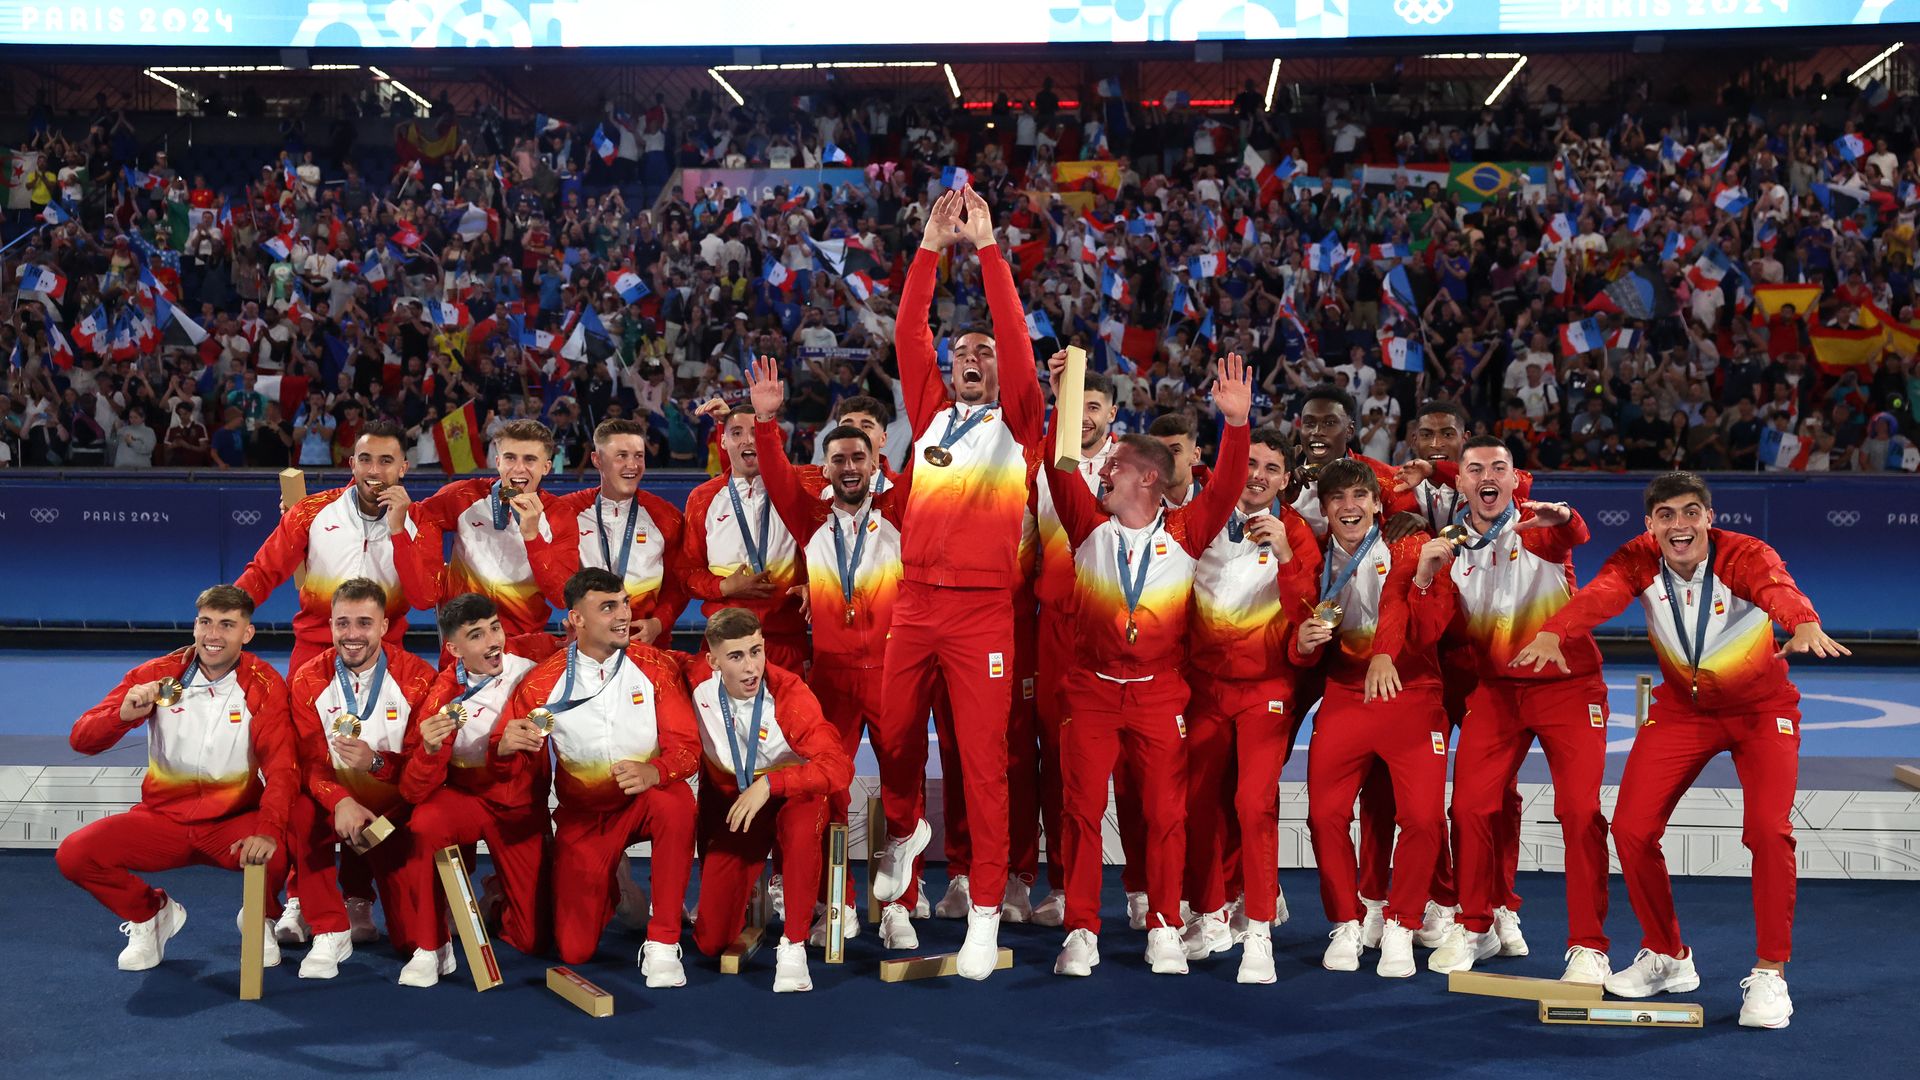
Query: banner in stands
(499, 24)
(120, 553)
(757, 184)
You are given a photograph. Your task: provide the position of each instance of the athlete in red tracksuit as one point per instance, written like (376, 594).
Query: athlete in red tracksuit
(490, 524)
(771, 760)
(624, 741)
(1382, 704)
(352, 773)
(1510, 572)
(1134, 564)
(634, 533)
(457, 796)
(220, 784)
(736, 552)
(1710, 597)
(1255, 581)
(960, 541)
(363, 530)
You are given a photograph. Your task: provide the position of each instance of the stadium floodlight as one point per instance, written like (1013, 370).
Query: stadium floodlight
(727, 86)
(402, 87)
(1875, 62)
(1501, 88)
(952, 82)
(1273, 81)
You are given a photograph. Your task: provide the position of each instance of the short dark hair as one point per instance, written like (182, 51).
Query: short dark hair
(730, 624)
(225, 598)
(1345, 474)
(591, 579)
(1151, 452)
(1486, 442)
(1276, 440)
(360, 588)
(528, 431)
(1673, 485)
(1172, 423)
(847, 431)
(1451, 408)
(740, 408)
(466, 608)
(1098, 382)
(617, 426)
(384, 429)
(1334, 394)
(863, 403)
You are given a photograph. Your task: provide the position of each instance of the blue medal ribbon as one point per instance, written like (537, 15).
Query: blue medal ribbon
(756, 554)
(460, 672)
(1493, 531)
(849, 563)
(502, 510)
(1329, 588)
(957, 428)
(1132, 588)
(374, 683)
(1693, 650)
(193, 668)
(567, 701)
(743, 770)
(626, 546)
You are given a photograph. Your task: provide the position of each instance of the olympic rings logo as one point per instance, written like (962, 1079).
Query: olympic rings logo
(1613, 517)
(1416, 12)
(1843, 519)
(44, 515)
(246, 517)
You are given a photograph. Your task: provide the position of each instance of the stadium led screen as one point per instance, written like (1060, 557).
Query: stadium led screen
(450, 24)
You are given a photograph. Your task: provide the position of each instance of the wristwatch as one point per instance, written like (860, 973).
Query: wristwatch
(379, 762)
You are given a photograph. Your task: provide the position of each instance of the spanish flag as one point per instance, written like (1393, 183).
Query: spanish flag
(1771, 298)
(458, 439)
(1902, 338)
(1840, 351)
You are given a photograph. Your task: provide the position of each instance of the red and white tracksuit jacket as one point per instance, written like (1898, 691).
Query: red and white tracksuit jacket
(713, 548)
(1739, 699)
(653, 578)
(1128, 696)
(318, 878)
(329, 535)
(220, 767)
(804, 762)
(960, 565)
(488, 560)
(636, 710)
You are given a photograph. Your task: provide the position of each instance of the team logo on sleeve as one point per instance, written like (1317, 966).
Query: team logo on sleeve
(996, 666)
(233, 716)
(1439, 742)
(639, 697)
(1264, 556)
(1380, 567)
(1719, 606)
(393, 714)
(1180, 722)
(1276, 706)
(640, 536)
(1785, 725)
(1597, 716)
(1512, 555)
(1026, 689)
(1159, 547)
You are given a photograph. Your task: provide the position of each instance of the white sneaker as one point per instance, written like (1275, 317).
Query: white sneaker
(790, 975)
(1461, 948)
(323, 959)
(1237, 916)
(1373, 923)
(849, 925)
(292, 929)
(979, 953)
(959, 898)
(1765, 1003)
(1653, 973)
(896, 930)
(269, 952)
(1165, 953)
(1280, 912)
(422, 969)
(777, 897)
(896, 862)
(147, 941)
(1207, 933)
(1137, 910)
(1585, 965)
(1017, 905)
(922, 908)
(1079, 955)
(1343, 954)
(660, 963)
(360, 921)
(1396, 952)
(1433, 925)
(1256, 955)
(1506, 924)
(1052, 911)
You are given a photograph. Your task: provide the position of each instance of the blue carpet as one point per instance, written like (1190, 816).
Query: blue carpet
(71, 1013)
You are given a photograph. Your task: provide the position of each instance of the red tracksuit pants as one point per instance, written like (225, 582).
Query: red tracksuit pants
(1376, 843)
(1054, 665)
(732, 861)
(323, 873)
(1504, 717)
(1142, 722)
(850, 699)
(1238, 738)
(587, 845)
(105, 856)
(1667, 756)
(1408, 735)
(965, 636)
(1026, 779)
(517, 843)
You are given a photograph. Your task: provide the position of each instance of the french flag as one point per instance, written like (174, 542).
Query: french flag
(1876, 95)
(1093, 222)
(953, 178)
(1114, 286)
(1623, 339)
(443, 314)
(1637, 219)
(1582, 336)
(42, 279)
(1249, 232)
(1405, 354)
(1089, 253)
(1783, 450)
(1183, 302)
(1327, 256)
(1852, 147)
(741, 211)
(1767, 233)
(1383, 252)
(375, 274)
(1678, 244)
(833, 155)
(90, 329)
(777, 275)
(407, 236)
(278, 247)
(1560, 229)
(1204, 266)
(863, 286)
(1039, 326)
(1717, 160)
(630, 287)
(1730, 199)
(603, 146)
(55, 214)
(58, 346)
(1205, 330)
(1635, 176)
(1709, 269)
(1674, 154)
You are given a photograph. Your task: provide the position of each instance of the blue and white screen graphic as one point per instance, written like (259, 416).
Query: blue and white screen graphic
(510, 24)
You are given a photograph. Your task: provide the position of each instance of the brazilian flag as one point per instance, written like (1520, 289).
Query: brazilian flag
(1480, 181)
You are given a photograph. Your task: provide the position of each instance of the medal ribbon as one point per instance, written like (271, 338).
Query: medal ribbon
(1329, 588)
(1493, 531)
(460, 672)
(743, 771)
(1695, 649)
(1131, 588)
(501, 509)
(567, 701)
(957, 428)
(374, 683)
(849, 565)
(756, 555)
(186, 677)
(626, 546)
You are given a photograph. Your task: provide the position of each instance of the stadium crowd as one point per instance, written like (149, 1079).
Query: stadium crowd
(1632, 285)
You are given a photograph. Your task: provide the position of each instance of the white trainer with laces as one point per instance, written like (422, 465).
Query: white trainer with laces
(896, 862)
(981, 949)
(1396, 953)
(147, 941)
(896, 929)
(292, 928)
(849, 925)
(270, 952)
(1051, 912)
(1506, 924)
(922, 908)
(1343, 954)
(1461, 948)
(1206, 933)
(660, 963)
(422, 969)
(1280, 912)
(1237, 916)
(1256, 956)
(1016, 906)
(1373, 923)
(959, 898)
(1165, 954)
(324, 957)
(1137, 910)
(1433, 925)
(790, 974)
(1079, 955)
(1765, 1003)
(1586, 965)
(1653, 973)
(360, 921)
(777, 897)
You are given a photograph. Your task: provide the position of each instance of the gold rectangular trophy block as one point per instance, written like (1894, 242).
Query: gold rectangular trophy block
(908, 968)
(1640, 1014)
(253, 929)
(466, 918)
(1642, 700)
(369, 838)
(1487, 984)
(735, 956)
(1069, 403)
(293, 488)
(876, 843)
(1908, 775)
(836, 894)
(585, 996)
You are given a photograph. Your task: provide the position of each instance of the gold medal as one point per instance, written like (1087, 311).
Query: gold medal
(1328, 612)
(375, 487)
(938, 456)
(169, 691)
(543, 719)
(348, 725)
(1454, 534)
(1307, 474)
(1133, 631)
(457, 713)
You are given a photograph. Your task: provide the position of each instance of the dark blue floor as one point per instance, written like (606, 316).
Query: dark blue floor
(69, 1012)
